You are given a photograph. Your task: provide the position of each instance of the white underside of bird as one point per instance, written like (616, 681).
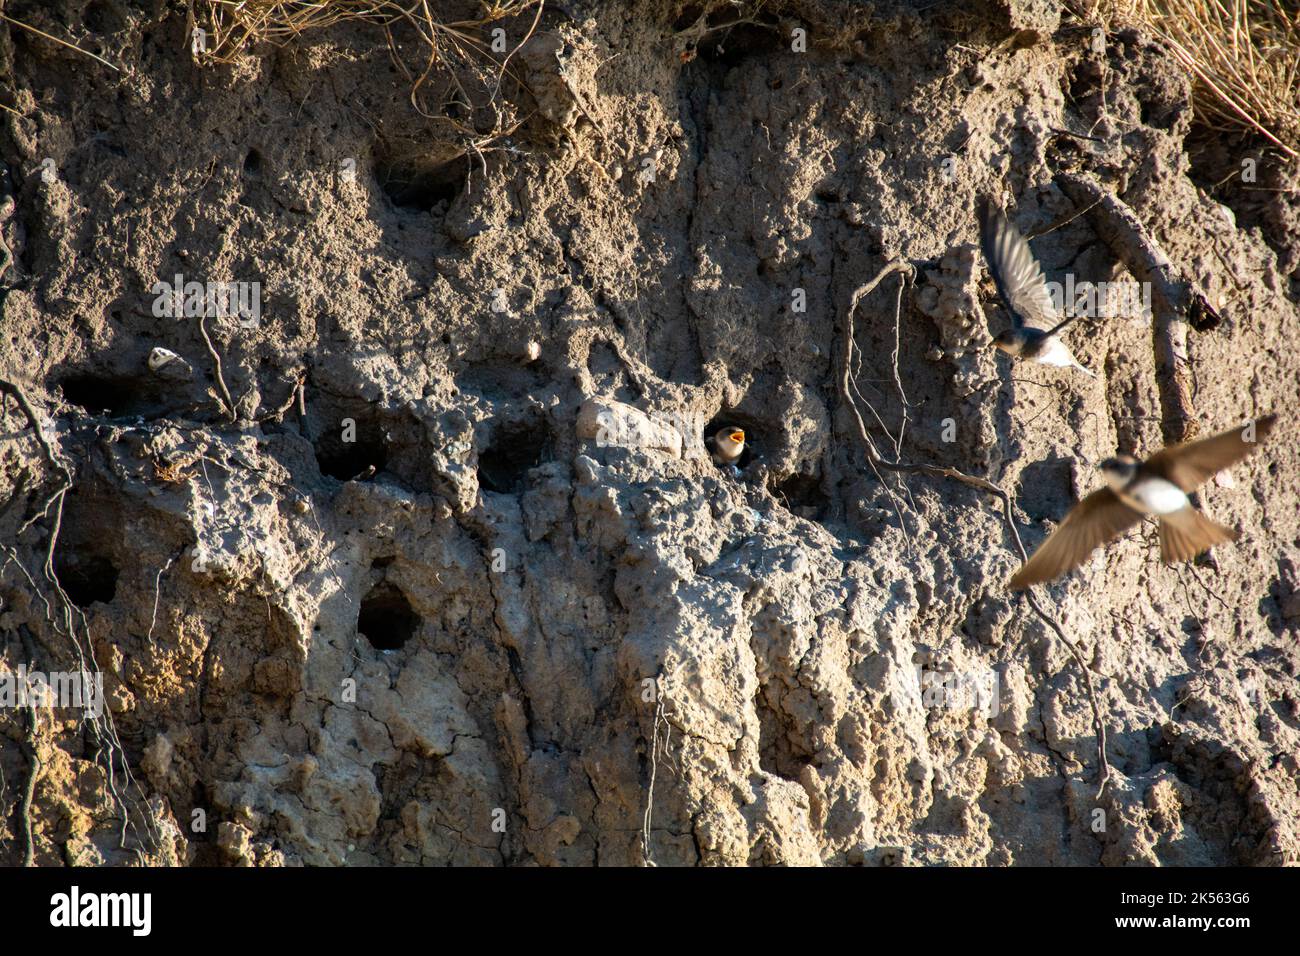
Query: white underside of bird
(1153, 496)
(1035, 320)
(1058, 354)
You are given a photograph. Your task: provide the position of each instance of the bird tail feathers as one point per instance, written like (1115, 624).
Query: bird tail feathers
(1186, 533)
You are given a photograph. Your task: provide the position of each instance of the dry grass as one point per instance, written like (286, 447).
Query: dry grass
(1244, 57)
(54, 39)
(237, 24)
(459, 52)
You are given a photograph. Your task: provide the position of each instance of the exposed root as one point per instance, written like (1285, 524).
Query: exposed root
(65, 623)
(654, 766)
(848, 382)
(35, 767)
(42, 439)
(216, 363)
(1176, 301)
(943, 471)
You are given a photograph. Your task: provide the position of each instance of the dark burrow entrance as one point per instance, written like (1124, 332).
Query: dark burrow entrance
(358, 439)
(516, 447)
(802, 495)
(353, 449)
(419, 186)
(83, 556)
(86, 577)
(754, 434)
(387, 619)
(119, 396)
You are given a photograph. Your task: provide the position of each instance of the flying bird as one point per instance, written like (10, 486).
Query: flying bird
(727, 445)
(1035, 323)
(1158, 487)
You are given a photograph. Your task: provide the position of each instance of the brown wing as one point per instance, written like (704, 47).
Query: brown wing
(1186, 533)
(1094, 521)
(1015, 271)
(1192, 464)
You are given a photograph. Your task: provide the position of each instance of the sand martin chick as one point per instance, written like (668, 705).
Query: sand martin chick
(727, 445)
(1158, 487)
(1035, 323)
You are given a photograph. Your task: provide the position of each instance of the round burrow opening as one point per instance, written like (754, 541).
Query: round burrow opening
(353, 449)
(86, 578)
(387, 619)
(516, 448)
(120, 396)
(802, 495)
(754, 435)
(417, 185)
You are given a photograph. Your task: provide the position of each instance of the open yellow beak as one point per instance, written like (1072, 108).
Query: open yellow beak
(738, 436)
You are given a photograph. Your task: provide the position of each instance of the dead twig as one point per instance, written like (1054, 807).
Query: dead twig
(1063, 221)
(277, 415)
(1176, 301)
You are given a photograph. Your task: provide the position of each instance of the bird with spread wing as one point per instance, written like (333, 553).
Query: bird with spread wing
(1035, 324)
(1157, 487)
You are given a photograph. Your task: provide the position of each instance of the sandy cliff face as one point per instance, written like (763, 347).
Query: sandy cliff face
(429, 614)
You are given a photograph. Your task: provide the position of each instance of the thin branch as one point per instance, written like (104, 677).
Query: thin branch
(1063, 221)
(216, 361)
(982, 484)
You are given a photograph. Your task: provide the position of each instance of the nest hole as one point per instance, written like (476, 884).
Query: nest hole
(359, 440)
(419, 186)
(83, 558)
(730, 46)
(118, 396)
(515, 449)
(86, 577)
(754, 434)
(355, 449)
(387, 619)
(1045, 489)
(101, 19)
(802, 495)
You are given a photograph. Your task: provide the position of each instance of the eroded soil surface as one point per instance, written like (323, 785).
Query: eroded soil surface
(427, 614)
